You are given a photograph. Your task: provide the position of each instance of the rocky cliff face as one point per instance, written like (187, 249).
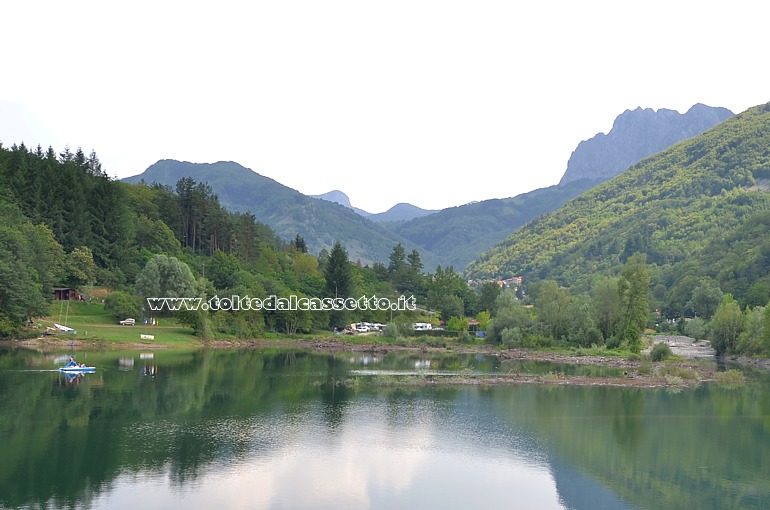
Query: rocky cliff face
(635, 135)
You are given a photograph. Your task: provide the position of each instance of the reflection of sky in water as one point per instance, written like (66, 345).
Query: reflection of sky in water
(383, 453)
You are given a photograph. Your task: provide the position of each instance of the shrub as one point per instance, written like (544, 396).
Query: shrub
(8, 328)
(696, 328)
(552, 377)
(537, 341)
(678, 372)
(390, 330)
(749, 345)
(661, 351)
(122, 305)
(730, 377)
(466, 337)
(645, 368)
(511, 337)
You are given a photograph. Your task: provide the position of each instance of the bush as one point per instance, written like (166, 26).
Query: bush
(440, 333)
(696, 328)
(466, 337)
(645, 368)
(122, 305)
(661, 351)
(390, 330)
(730, 377)
(397, 330)
(8, 328)
(681, 373)
(537, 341)
(511, 337)
(749, 345)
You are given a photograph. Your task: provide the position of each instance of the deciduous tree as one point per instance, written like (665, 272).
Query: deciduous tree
(633, 290)
(165, 276)
(726, 325)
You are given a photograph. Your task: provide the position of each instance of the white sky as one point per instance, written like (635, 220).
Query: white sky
(436, 103)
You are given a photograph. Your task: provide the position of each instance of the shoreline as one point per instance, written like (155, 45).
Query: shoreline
(693, 362)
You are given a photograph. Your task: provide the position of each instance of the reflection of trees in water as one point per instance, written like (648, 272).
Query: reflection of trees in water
(335, 393)
(628, 420)
(653, 447)
(334, 413)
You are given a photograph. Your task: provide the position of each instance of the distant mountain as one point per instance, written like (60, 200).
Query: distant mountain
(399, 212)
(338, 197)
(699, 209)
(635, 135)
(287, 211)
(456, 235)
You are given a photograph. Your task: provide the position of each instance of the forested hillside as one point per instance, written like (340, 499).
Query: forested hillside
(699, 211)
(458, 234)
(288, 212)
(65, 223)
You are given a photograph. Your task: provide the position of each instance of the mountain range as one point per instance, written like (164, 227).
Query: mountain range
(459, 234)
(399, 212)
(288, 212)
(454, 236)
(698, 210)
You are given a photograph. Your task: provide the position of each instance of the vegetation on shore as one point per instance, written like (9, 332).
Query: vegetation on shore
(698, 210)
(67, 224)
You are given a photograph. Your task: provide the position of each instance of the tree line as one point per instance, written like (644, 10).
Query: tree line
(69, 224)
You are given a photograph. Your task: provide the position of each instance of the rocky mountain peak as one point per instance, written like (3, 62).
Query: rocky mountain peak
(635, 135)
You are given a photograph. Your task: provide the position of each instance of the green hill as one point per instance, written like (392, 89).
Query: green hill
(699, 209)
(459, 234)
(287, 211)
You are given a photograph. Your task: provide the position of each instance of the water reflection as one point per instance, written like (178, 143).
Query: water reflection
(401, 451)
(291, 429)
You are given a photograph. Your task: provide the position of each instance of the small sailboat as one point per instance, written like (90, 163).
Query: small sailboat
(64, 328)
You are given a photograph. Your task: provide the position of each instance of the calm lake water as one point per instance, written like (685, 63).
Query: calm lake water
(290, 429)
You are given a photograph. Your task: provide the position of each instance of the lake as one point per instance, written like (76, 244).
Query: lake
(257, 429)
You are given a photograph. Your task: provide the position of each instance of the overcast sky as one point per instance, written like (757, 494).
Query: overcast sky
(436, 103)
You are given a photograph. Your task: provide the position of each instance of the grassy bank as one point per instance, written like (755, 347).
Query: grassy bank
(94, 324)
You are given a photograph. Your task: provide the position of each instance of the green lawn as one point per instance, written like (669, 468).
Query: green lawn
(93, 322)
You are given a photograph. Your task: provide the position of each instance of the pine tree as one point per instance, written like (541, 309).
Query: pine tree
(338, 273)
